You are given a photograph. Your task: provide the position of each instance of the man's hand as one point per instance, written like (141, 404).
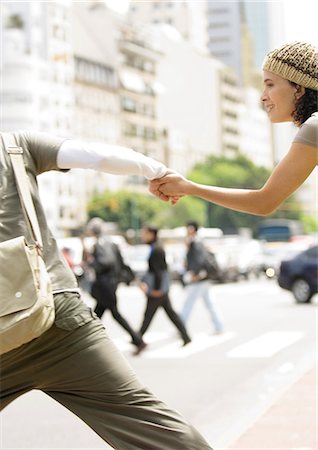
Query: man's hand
(159, 186)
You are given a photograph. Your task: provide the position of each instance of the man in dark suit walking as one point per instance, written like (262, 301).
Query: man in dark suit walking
(155, 284)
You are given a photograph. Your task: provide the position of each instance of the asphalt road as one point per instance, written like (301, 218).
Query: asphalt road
(221, 383)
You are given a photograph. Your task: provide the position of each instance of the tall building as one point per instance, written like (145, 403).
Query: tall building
(198, 102)
(37, 86)
(138, 93)
(188, 17)
(128, 60)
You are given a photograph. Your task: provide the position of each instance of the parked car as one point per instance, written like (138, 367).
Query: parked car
(276, 252)
(279, 230)
(300, 275)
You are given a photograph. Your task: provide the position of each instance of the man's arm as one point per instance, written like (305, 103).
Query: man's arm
(112, 159)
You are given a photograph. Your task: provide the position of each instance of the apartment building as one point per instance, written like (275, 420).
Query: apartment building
(138, 92)
(198, 103)
(37, 89)
(188, 17)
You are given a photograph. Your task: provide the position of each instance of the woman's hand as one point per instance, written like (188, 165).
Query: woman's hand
(171, 187)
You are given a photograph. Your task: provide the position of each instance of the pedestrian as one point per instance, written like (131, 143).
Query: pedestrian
(74, 361)
(156, 284)
(66, 251)
(108, 264)
(196, 279)
(290, 95)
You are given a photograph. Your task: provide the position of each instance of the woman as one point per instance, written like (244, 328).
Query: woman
(290, 95)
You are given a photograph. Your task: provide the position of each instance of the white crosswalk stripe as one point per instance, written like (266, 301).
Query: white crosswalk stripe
(174, 350)
(266, 345)
(198, 344)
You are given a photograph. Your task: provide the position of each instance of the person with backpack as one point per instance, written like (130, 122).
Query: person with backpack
(108, 263)
(197, 278)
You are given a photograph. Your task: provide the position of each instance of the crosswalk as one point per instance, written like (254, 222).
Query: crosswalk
(266, 345)
(263, 346)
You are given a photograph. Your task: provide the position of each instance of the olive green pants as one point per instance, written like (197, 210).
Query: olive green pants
(83, 370)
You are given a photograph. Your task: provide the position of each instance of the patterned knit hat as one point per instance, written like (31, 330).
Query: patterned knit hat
(297, 62)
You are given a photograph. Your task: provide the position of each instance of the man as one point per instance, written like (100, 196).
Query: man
(108, 263)
(156, 284)
(75, 362)
(196, 278)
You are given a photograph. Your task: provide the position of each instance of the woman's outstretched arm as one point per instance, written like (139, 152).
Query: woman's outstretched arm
(288, 175)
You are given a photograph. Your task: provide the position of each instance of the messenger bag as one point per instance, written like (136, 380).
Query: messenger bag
(26, 299)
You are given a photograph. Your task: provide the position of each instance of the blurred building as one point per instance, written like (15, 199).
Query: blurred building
(188, 17)
(37, 90)
(122, 108)
(138, 72)
(196, 92)
(96, 115)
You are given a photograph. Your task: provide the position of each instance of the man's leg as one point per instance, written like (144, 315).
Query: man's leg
(175, 319)
(99, 294)
(191, 294)
(136, 338)
(151, 308)
(210, 306)
(84, 371)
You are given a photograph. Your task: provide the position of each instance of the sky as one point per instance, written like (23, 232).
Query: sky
(300, 17)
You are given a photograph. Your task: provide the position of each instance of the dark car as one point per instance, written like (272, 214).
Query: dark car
(300, 274)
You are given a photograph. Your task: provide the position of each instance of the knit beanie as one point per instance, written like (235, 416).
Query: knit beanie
(297, 62)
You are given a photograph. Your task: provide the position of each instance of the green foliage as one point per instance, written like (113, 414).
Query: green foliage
(128, 210)
(187, 208)
(310, 223)
(131, 210)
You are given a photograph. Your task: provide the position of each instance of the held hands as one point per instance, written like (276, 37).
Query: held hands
(170, 187)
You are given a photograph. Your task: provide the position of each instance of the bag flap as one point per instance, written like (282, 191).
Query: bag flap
(17, 281)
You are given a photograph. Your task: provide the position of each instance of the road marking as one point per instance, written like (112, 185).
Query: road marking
(199, 343)
(266, 345)
(124, 344)
(174, 350)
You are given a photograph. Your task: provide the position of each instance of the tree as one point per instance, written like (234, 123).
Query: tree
(127, 209)
(131, 210)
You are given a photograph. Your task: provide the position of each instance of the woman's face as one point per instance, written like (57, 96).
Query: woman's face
(279, 97)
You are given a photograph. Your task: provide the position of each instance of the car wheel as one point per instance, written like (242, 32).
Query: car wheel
(301, 290)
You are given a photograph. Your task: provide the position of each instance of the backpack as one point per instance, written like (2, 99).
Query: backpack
(210, 265)
(109, 259)
(105, 256)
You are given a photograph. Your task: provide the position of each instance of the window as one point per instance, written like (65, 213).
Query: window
(312, 252)
(218, 39)
(130, 129)
(215, 25)
(128, 104)
(19, 97)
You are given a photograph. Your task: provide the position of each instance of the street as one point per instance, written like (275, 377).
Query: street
(221, 383)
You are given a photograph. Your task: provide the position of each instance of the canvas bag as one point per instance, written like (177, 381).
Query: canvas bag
(26, 299)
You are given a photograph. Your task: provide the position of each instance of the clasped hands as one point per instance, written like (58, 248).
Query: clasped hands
(170, 187)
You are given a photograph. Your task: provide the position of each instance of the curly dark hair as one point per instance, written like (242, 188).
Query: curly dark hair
(305, 106)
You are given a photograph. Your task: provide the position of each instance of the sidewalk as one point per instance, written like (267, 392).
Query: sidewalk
(290, 424)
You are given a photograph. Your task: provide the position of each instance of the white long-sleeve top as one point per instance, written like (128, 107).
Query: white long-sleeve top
(112, 159)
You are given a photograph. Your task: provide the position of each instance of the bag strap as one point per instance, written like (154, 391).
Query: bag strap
(16, 156)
